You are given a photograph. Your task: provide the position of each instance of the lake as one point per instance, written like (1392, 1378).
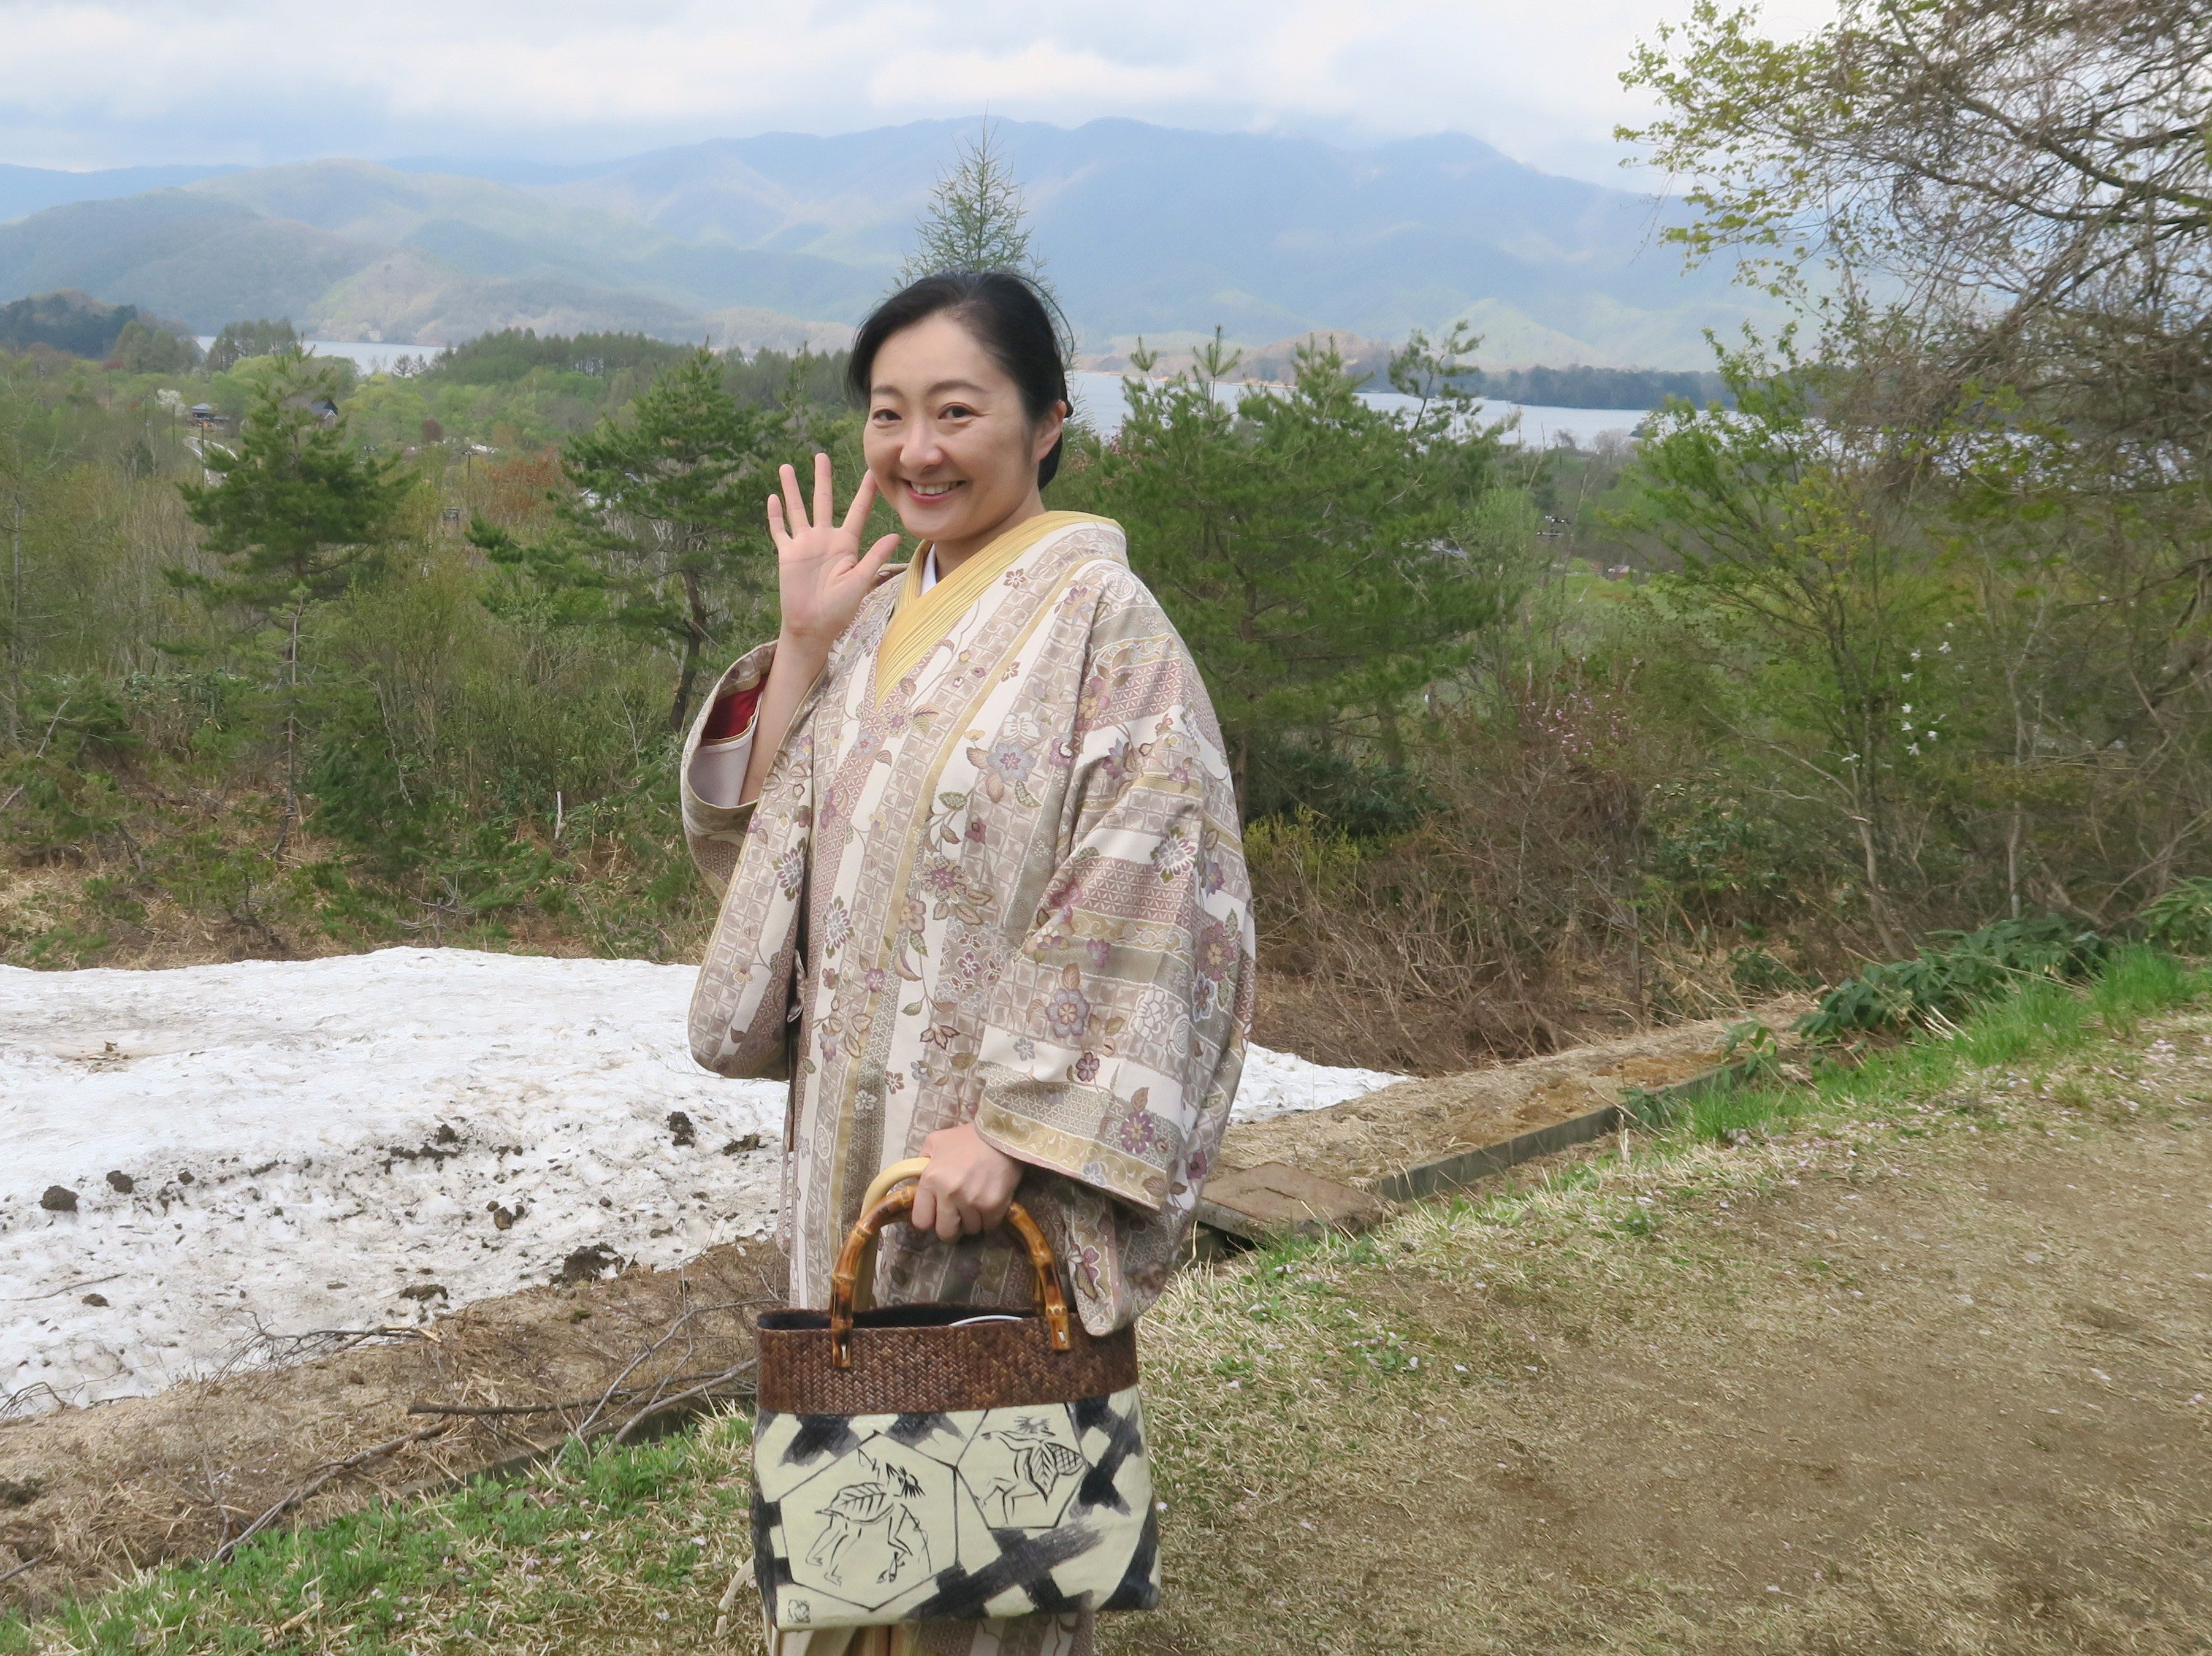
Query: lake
(1098, 396)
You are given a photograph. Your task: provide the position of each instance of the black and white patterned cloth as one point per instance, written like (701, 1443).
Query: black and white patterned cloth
(862, 1520)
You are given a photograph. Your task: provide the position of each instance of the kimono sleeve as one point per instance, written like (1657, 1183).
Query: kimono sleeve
(713, 770)
(1113, 1041)
(757, 855)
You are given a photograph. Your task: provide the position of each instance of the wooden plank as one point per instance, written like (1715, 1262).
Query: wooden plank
(1253, 1203)
(1458, 1171)
(1465, 1167)
(1273, 1199)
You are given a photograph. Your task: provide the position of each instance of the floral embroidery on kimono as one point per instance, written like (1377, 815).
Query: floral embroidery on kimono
(994, 875)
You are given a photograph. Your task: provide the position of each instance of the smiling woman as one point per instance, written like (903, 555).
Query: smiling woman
(986, 896)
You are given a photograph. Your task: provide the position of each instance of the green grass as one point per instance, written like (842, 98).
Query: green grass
(595, 1549)
(2043, 1020)
(631, 1548)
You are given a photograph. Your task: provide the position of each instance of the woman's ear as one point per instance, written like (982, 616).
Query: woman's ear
(1048, 430)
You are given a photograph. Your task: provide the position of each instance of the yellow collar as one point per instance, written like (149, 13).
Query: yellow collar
(923, 619)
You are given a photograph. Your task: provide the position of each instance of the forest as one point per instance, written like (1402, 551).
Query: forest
(1899, 631)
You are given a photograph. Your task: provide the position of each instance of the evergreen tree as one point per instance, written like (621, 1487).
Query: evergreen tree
(976, 220)
(1320, 555)
(298, 515)
(659, 528)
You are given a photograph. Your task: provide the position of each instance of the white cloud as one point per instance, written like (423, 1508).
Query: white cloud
(116, 81)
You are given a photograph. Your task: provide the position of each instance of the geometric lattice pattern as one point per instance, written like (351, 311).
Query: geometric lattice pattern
(864, 1519)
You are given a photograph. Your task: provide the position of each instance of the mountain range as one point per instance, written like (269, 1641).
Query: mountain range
(1144, 231)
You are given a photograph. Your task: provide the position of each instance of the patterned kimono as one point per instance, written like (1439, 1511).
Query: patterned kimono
(994, 875)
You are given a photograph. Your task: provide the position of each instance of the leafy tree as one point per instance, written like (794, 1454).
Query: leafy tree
(976, 220)
(502, 358)
(1311, 548)
(2000, 217)
(259, 337)
(659, 531)
(2030, 184)
(142, 349)
(298, 515)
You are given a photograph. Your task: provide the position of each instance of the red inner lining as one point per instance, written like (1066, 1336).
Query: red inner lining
(731, 715)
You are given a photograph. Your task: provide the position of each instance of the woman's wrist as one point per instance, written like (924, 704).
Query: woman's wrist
(803, 648)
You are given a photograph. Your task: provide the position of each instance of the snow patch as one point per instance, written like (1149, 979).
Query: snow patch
(198, 1155)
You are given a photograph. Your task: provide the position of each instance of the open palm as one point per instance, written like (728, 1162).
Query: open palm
(822, 573)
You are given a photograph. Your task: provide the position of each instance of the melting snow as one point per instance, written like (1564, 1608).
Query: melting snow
(289, 1146)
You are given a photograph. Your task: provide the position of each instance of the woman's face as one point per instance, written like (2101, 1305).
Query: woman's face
(947, 437)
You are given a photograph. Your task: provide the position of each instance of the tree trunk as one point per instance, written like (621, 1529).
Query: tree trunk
(291, 730)
(694, 637)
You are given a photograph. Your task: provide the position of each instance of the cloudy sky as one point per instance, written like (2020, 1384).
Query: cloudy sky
(109, 83)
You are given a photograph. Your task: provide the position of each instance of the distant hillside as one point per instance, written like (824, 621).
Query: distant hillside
(27, 189)
(1167, 233)
(1147, 231)
(73, 322)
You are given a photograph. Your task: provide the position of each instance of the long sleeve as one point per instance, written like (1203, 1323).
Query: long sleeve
(713, 770)
(758, 855)
(1113, 1040)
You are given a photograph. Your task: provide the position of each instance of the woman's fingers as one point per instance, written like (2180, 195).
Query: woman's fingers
(876, 557)
(825, 496)
(776, 532)
(856, 514)
(794, 508)
(935, 1210)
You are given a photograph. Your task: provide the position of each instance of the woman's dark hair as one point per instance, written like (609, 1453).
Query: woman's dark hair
(1008, 317)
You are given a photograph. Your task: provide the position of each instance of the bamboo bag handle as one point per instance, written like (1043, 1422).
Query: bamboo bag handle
(1044, 1272)
(864, 1285)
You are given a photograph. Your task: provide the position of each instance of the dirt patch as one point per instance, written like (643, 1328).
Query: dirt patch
(94, 1493)
(1951, 1399)
(1431, 1117)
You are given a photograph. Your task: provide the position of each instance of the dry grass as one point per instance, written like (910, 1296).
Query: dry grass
(1915, 1374)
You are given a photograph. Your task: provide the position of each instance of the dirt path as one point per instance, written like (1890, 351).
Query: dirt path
(1947, 1394)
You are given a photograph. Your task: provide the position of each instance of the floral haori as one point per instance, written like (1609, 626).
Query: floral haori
(1008, 888)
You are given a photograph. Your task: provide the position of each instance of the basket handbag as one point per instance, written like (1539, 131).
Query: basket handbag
(940, 1462)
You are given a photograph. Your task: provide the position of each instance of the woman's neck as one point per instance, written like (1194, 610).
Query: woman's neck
(951, 554)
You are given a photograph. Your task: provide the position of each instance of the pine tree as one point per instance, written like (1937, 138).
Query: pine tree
(661, 532)
(976, 220)
(1323, 557)
(298, 514)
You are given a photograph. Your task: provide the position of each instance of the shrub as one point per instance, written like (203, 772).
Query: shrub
(1975, 966)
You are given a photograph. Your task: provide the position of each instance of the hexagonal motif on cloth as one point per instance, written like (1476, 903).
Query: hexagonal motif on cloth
(860, 1520)
(1022, 1466)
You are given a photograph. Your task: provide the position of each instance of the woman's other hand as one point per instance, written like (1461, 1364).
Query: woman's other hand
(969, 1184)
(822, 573)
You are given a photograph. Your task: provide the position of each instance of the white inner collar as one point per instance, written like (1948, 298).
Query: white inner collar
(929, 570)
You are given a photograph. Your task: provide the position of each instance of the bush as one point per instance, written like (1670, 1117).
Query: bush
(2180, 918)
(1975, 967)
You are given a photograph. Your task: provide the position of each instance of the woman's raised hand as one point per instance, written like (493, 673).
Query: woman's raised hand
(821, 571)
